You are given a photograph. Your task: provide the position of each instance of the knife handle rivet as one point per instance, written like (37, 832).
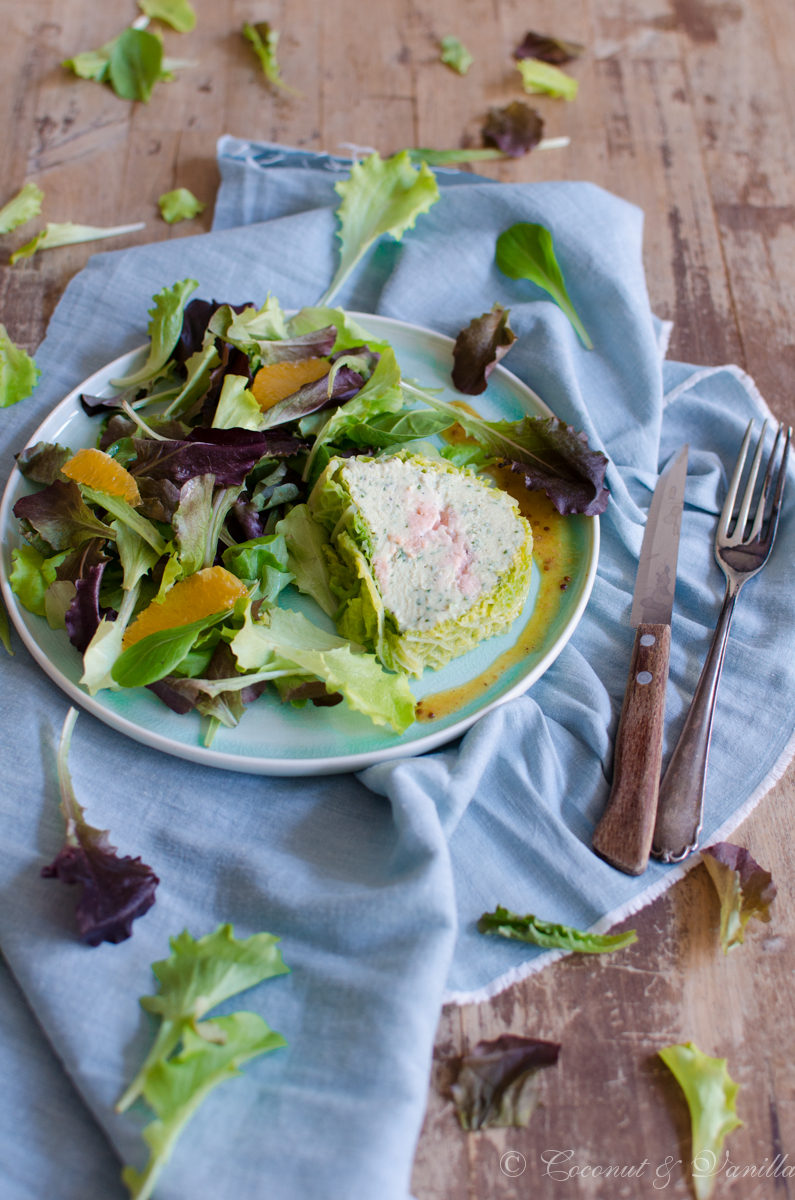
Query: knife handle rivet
(644, 677)
(648, 639)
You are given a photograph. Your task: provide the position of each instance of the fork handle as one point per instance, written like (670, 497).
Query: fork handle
(680, 808)
(623, 836)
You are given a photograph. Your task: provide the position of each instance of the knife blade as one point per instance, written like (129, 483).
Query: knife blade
(623, 836)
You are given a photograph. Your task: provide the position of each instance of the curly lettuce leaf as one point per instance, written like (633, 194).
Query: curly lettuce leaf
(379, 197)
(31, 576)
(176, 1087)
(541, 77)
(68, 234)
(712, 1099)
(479, 348)
(42, 462)
(552, 936)
(515, 130)
(245, 328)
(745, 889)
(495, 1084)
(177, 13)
(305, 540)
(263, 560)
(179, 205)
(60, 516)
(526, 251)
(115, 890)
(165, 327)
(25, 205)
(19, 374)
(197, 976)
(455, 54)
(264, 39)
(550, 455)
(548, 49)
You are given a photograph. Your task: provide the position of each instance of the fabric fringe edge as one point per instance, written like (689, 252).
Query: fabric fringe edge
(642, 900)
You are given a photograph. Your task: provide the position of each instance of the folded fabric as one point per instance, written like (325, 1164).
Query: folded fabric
(376, 889)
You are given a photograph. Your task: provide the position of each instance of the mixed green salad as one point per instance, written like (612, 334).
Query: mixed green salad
(163, 553)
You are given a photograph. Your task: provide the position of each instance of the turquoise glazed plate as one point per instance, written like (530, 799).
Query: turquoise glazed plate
(276, 739)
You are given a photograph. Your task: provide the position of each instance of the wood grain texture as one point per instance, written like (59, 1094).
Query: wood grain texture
(624, 834)
(686, 108)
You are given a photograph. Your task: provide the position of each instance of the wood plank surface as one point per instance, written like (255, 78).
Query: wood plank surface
(686, 108)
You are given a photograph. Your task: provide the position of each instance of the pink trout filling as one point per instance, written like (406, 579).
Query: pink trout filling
(433, 529)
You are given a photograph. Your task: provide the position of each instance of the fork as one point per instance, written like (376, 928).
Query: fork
(680, 809)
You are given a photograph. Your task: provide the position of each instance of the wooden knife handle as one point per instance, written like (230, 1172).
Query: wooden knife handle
(624, 834)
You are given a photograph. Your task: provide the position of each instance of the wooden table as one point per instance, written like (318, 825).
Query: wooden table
(687, 108)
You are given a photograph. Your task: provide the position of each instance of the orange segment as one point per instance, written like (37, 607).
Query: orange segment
(279, 380)
(98, 470)
(200, 595)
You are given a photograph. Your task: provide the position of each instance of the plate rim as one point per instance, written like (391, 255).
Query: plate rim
(284, 767)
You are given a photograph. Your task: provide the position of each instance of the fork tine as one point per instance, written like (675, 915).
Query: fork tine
(776, 511)
(762, 505)
(731, 495)
(748, 495)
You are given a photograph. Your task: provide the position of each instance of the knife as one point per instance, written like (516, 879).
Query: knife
(623, 836)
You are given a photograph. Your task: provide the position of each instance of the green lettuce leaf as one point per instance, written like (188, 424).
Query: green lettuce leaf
(164, 328)
(495, 1084)
(199, 368)
(127, 514)
(91, 64)
(305, 541)
(105, 646)
(175, 1088)
(349, 332)
(395, 429)
(5, 629)
(711, 1097)
(136, 554)
(69, 235)
(31, 575)
(264, 560)
(192, 520)
(380, 197)
(157, 655)
(449, 158)
(26, 204)
(19, 374)
(177, 13)
(264, 39)
(526, 251)
(136, 64)
(745, 889)
(552, 936)
(538, 76)
(197, 976)
(247, 329)
(57, 602)
(237, 407)
(454, 54)
(179, 205)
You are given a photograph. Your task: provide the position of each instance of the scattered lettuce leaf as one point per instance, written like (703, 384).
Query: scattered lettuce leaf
(68, 234)
(550, 455)
(379, 197)
(264, 39)
(115, 890)
(495, 1084)
(91, 64)
(155, 656)
(745, 889)
(541, 77)
(712, 1099)
(19, 374)
(165, 327)
(454, 54)
(42, 462)
(136, 64)
(175, 1088)
(198, 975)
(514, 130)
(548, 49)
(5, 629)
(237, 407)
(60, 516)
(25, 205)
(31, 575)
(179, 205)
(479, 348)
(305, 540)
(177, 13)
(449, 158)
(526, 251)
(552, 936)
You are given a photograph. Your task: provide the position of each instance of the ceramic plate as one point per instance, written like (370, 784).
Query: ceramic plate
(275, 739)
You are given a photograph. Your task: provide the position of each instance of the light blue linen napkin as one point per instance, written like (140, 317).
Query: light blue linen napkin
(375, 889)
